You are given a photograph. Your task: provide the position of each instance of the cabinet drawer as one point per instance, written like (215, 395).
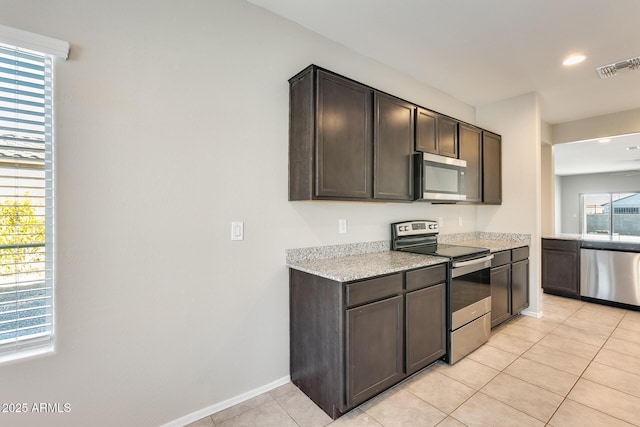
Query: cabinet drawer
(501, 258)
(519, 254)
(373, 289)
(425, 277)
(560, 245)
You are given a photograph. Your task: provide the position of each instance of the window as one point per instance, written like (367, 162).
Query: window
(613, 214)
(26, 193)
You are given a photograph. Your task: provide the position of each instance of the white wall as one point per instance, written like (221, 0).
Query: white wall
(574, 185)
(518, 120)
(172, 121)
(547, 182)
(621, 123)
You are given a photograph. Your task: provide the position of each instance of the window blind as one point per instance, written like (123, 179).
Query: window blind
(26, 200)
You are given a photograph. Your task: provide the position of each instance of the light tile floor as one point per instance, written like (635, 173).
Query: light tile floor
(577, 366)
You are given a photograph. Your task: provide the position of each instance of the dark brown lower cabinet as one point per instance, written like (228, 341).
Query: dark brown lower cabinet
(561, 267)
(425, 327)
(351, 340)
(375, 338)
(509, 284)
(500, 294)
(519, 286)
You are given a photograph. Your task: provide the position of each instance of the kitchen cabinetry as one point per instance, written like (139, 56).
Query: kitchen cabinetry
(482, 152)
(393, 138)
(436, 133)
(349, 141)
(509, 284)
(350, 341)
(561, 267)
(339, 149)
(374, 348)
(491, 168)
(333, 159)
(471, 151)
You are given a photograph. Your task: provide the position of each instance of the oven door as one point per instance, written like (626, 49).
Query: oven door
(470, 307)
(470, 290)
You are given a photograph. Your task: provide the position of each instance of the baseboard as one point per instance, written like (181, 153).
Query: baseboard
(536, 314)
(195, 416)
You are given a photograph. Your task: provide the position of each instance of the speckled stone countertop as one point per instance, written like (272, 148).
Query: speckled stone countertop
(494, 245)
(605, 242)
(357, 267)
(357, 261)
(495, 242)
(563, 236)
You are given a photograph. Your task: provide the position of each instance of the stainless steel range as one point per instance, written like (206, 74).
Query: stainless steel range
(469, 290)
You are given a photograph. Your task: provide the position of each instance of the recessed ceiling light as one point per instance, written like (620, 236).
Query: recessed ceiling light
(574, 59)
(636, 147)
(604, 140)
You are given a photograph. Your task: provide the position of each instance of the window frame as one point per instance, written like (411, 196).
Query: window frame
(611, 213)
(51, 49)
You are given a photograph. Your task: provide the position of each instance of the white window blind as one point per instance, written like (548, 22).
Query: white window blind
(26, 201)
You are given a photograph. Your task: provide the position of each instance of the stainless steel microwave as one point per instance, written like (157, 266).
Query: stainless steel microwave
(439, 178)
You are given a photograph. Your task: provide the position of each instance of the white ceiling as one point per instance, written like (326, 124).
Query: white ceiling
(482, 51)
(621, 153)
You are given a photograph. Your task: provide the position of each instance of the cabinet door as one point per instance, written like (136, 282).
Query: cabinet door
(560, 272)
(500, 294)
(447, 136)
(375, 340)
(519, 286)
(470, 143)
(344, 138)
(492, 168)
(426, 135)
(425, 327)
(393, 137)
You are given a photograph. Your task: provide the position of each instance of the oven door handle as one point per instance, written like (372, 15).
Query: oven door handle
(473, 261)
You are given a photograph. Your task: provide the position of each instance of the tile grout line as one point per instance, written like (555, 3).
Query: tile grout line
(566, 397)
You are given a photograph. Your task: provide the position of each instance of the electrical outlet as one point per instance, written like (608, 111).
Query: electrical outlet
(342, 226)
(460, 221)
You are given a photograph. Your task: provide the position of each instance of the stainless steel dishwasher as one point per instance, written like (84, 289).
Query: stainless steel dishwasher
(610, 275)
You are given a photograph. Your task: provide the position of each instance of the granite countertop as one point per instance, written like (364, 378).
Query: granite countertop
(563, 236)
(357, 267)
(591, 241)
(357, 261)
(494, 245)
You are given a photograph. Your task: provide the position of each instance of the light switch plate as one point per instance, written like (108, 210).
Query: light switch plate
(237, 230)
(342, 226)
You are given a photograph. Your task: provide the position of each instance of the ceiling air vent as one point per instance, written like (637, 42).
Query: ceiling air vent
(612, 69)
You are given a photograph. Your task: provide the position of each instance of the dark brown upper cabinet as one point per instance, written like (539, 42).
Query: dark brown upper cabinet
(426, 135)
(482, 151)
(393, 138)
(491, 168)
(470, 141)
(447, 136)
(330, 150)
(436, 134)
(348, 141)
